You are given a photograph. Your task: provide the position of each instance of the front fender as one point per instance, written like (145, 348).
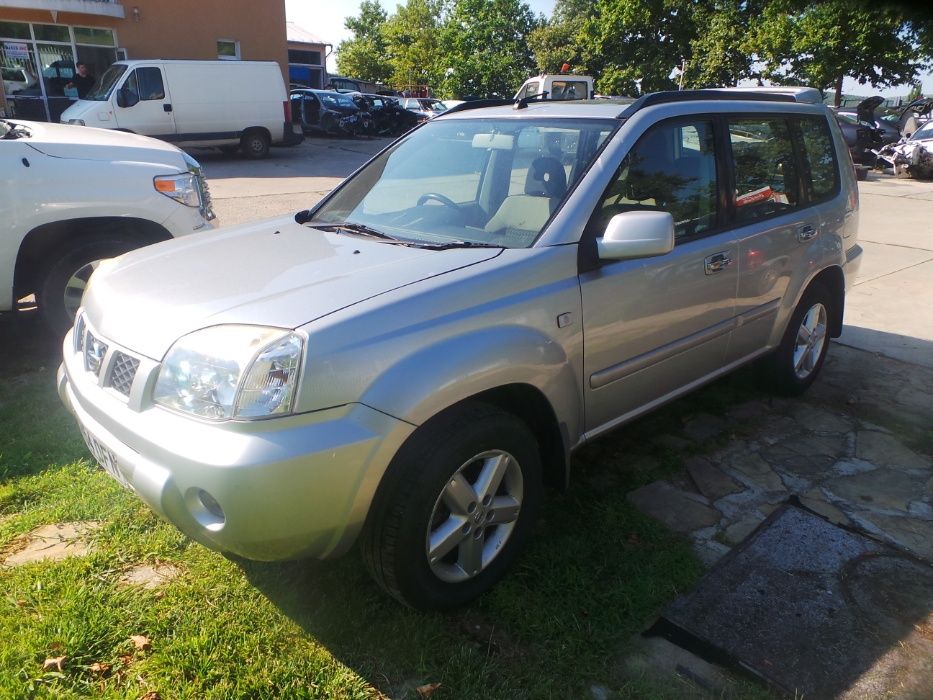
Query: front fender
(445, 373)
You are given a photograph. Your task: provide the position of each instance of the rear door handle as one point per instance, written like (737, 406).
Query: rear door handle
(806, 232)
(717, 262)
(167, 107)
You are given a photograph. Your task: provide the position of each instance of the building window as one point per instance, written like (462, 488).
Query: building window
(228, 50)
(312, 58)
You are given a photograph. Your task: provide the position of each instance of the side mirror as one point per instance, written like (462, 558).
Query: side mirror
(126, 98)
(637, 234)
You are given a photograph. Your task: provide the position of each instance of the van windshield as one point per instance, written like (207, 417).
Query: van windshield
(104, 85)
(472, 182)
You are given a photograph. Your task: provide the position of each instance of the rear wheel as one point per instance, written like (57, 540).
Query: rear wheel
(455, 508)
(255, 144)
(796, 363)
(65, 278)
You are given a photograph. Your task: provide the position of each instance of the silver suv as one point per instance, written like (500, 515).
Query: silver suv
(407, 363)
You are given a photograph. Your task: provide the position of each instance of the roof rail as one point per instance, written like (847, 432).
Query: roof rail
(477, 104)
(667, 96)
(800, 93)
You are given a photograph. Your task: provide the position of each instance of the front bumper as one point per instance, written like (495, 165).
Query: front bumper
(286, 488)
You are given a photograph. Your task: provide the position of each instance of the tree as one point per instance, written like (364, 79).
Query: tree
(636, 44)
(719, 57)
(563, 39)
(364, 56)
(822, 44)
(412, 35)
(484, 47)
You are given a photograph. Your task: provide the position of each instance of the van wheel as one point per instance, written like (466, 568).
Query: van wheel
(794, 366)
(255, 144)
(65, 278)
(455, 508)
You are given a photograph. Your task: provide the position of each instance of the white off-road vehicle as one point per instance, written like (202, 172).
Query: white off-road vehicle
(72, 196)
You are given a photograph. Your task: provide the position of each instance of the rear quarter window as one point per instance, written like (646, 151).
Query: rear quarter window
(821, 174)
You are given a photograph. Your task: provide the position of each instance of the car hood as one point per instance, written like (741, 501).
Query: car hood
(865, 110)
(88, 143)
(275, 273)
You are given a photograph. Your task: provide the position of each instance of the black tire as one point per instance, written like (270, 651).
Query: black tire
(395, 542)
(56, 281)
(797, 362)
(255, 144)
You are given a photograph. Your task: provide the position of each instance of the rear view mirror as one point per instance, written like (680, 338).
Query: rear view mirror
(126, 98)
(637, 234)
(496, 142)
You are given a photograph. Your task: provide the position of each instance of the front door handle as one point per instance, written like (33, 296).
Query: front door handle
(167, 107)
(806, 233)
(717, 262)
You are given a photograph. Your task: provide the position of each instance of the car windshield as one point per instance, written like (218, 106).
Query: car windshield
(104, 85)
(335, 99)
(924, 132)
(486, 182)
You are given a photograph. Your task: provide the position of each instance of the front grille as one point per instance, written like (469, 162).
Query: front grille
(94, 353)
(122, 372)
(207, 209)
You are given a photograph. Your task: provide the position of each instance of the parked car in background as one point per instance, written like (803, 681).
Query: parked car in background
(343, 84)
(385, 115)
(16, 79)
(409, 362)
(913, 155)
(227, 104)
(72, 196)
(327, 112)
(426, 106)
(557, 86)
(915, 115)
(860, 138)
(883, 131)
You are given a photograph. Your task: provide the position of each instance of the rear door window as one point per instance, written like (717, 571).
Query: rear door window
(766, 173)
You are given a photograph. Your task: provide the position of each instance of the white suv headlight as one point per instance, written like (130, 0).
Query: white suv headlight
(182, 188)
(231, 372)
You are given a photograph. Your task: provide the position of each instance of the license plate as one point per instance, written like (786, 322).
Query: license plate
(105, 458)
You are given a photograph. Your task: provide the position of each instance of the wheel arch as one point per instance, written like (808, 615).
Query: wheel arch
(834, 281)
(36, 246)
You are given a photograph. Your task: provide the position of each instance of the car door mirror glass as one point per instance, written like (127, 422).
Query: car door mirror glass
(637, 234)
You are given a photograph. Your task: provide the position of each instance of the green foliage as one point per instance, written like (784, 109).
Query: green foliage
(412, 39)
(821, 44)
(484, 47)
(563, 39)
(364, 55)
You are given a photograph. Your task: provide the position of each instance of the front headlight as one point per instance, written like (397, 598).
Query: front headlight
(182, 188)
(231, 372)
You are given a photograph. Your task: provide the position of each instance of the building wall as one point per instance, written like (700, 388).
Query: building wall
(181, 28)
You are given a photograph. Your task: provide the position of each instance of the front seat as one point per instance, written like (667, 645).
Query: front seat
(545, 186)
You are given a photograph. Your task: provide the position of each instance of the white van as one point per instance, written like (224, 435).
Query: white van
(558, 86)
(227, 104)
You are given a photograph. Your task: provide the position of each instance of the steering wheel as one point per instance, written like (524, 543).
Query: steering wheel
(443, 199)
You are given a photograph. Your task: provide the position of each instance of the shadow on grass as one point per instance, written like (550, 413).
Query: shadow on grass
(596, 573)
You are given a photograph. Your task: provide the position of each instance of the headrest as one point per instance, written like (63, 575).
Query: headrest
(546, 178)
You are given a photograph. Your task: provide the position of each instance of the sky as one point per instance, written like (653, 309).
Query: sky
(324, 18)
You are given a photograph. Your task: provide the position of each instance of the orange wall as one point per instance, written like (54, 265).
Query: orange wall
(185, 29)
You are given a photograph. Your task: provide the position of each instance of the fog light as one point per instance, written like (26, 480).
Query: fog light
(205, 509)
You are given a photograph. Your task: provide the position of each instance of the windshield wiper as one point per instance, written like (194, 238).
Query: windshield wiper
(13, 131)
(361, 229)
(458, 244)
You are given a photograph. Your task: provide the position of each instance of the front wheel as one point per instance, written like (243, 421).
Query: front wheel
(64, 280)
(796, 363)
(255, 145)
(456, 506)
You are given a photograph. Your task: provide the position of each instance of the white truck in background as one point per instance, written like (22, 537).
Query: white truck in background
(557, 86)
(225, 104)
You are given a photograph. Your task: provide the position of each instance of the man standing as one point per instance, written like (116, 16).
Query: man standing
(83, 80)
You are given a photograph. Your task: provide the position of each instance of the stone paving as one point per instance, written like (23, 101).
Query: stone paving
(855, 449)
(845, 449)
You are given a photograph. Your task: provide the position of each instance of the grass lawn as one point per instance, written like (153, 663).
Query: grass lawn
(595, 575)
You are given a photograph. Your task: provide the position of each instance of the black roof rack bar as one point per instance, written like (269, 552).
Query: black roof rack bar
(666, 96)
(478, 104)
